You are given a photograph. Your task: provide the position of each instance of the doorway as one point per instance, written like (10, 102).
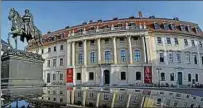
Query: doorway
(180, 78)
(106, 77)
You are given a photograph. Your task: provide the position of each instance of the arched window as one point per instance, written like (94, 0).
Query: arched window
(137, 55)
(123, 55)
(138, 75)
(107, 56)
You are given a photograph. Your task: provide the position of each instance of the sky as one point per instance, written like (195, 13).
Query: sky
(55, 15)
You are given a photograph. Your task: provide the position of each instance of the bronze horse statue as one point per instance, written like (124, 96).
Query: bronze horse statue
(19, 29)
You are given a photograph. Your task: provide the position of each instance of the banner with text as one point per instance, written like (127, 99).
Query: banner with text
(148, 74)
(69, 75)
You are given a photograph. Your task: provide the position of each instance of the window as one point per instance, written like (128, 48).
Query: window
(80, 58)
(78, 76)
(54, 76)
(200, 43)
(196, 77)
(189, 28)
(54, 48)
(106, 41)
(176, 41)
(138, 75)
(48, 77)
(170, 57)
(61, 92)
(79, 44)
(49, 49)
(61, 100)
(92, 57)
(48, 63)
(172, 26)
(91, 76)
(202, 60)
(137, 55)
(61, 76)
(187, 58)
(135, 38)
(122, 39)
(193, 43)
(42, 51)
(156, 26)
(178, 57)
(161, 57)
(54, 92)
(168, 40)
(158, 101)
(91, 94)
(48, 98)
(182, 27)
(92, 42)
(166, 26)
(61, 47)
(162, 76)
(61, 61)
(123, 55)
(195, 59)
(186, 42)
(121, 98)
(159, 41)
(54, 62)
(172, 76)
(54, 99)
(189, 77)
(123, 76)
(107, 56)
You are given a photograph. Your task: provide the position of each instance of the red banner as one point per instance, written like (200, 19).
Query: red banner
(69, 75)
(148, 74)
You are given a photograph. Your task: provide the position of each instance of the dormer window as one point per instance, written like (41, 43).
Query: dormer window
(118, 25)
(182, 27)
(156, 26)
(198, 30)
(188, 28)
(165, 26)
(132, 24)
(172, 26)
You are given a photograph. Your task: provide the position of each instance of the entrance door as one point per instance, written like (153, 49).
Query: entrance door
(106, 77)
(180, 78)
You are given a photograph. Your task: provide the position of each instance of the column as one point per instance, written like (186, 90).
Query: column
(99, 50)
(68, 54)
(148, 48)
(130, 49)
(144, 49)
(85, 52)
(114, 50)
(73, 53)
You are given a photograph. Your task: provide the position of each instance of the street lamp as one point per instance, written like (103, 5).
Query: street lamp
(158, 70)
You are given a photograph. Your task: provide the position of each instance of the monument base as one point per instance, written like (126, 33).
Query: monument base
(21, 69)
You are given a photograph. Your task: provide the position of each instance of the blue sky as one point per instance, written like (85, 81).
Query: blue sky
(54, 15)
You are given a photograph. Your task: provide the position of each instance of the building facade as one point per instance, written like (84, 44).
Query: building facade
(129, 51)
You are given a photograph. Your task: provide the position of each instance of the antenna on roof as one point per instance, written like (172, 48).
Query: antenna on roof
(139, 14)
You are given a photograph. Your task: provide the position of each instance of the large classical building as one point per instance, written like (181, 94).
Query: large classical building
(128, 51)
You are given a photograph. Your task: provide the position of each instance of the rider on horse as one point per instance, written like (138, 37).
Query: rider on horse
(28, 22)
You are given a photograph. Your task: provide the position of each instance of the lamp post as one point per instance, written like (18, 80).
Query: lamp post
(158, 70)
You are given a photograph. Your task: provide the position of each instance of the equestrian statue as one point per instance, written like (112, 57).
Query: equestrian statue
(25, 28)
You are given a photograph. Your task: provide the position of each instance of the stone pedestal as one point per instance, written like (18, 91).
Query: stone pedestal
(22, 69)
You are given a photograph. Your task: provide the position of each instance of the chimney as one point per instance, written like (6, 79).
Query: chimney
(139, 14)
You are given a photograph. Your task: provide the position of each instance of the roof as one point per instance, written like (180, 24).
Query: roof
(62, 34)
